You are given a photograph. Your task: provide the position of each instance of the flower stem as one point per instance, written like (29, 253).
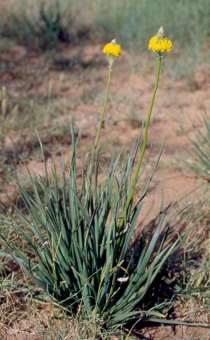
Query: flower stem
(94, 154)
(102, 114)
(145, 140)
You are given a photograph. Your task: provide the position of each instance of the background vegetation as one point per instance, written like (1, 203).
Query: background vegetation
(44, 24)
(187, 21)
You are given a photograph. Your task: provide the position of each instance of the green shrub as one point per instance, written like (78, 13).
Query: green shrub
(80, 254)
(42, 26)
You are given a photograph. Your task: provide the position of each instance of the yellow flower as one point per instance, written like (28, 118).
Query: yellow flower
(159, 44)
(112, 49)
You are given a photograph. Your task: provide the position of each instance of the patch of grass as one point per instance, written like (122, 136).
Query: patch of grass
(198, 285)
(29, 111)
(23, 315)
(187, 21)
(201, 150)
(195, 281)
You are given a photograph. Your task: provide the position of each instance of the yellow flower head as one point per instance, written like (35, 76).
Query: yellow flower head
(159, 44)
(112, 49)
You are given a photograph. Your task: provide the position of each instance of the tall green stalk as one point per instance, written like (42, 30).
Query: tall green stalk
(102, 113)
(93, 164)
(143, 147)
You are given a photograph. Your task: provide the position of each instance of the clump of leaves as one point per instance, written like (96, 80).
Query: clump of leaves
(82, 255)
